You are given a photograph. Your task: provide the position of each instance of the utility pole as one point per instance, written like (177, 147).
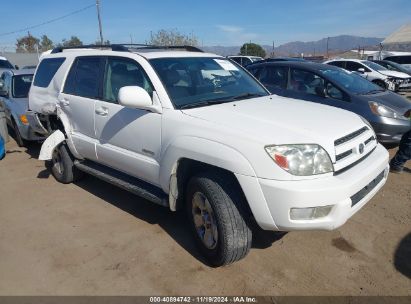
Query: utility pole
(273, 55)
(99, 21)
(328, 38)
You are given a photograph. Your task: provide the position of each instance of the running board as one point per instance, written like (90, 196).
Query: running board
(124, 181)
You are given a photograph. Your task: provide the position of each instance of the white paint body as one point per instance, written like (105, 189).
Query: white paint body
(149, 144)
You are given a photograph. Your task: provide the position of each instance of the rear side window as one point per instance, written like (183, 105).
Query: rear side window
(339, 64)
(46, 71)
(84, 77)
(275, 76)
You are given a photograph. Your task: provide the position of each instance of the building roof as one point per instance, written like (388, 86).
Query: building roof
(402, 35)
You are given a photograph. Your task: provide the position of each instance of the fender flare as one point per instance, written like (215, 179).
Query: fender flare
(202, 150)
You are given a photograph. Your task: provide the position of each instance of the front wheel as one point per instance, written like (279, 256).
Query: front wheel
(216, 210)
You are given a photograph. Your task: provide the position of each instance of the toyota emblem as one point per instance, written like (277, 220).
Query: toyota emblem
(361, 148)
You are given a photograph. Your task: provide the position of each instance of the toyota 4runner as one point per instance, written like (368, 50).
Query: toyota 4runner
(195, 131)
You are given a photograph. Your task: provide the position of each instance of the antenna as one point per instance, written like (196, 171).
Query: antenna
(99, 21)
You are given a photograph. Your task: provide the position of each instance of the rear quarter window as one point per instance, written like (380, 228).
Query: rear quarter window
(47, 69)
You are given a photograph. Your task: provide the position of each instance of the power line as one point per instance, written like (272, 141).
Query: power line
(47, 22)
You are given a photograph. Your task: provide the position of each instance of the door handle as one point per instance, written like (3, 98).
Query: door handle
(102, 111)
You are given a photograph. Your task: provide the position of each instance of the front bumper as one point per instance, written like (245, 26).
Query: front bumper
(389, 130)
(339, 191)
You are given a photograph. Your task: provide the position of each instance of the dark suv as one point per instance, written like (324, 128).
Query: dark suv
(333, 86)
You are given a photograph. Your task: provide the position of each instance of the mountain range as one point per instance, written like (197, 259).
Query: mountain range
(295, 48)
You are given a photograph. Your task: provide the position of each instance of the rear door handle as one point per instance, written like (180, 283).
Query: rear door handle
(102, 111)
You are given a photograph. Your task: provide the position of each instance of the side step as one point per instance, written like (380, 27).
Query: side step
(124, 181)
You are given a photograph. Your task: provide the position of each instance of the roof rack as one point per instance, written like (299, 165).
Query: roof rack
(128, 47)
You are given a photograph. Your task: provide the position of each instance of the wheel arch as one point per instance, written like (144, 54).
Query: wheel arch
(188, 156)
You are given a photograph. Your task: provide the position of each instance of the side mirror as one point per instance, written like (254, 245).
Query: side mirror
(135, 97)
(4, 93)
(16, 67)
(361, 70)
(320, 91)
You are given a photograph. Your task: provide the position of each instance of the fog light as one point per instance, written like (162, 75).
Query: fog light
(312, 213)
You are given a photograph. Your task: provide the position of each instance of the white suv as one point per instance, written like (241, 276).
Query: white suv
(385, 78)
(191, 130)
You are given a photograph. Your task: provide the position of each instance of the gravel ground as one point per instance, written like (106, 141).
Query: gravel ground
(91, 238)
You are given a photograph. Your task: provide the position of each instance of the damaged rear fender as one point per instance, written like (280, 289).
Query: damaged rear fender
(55, 139)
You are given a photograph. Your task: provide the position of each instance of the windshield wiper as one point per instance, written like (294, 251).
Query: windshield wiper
(201, 104)
(219, 100)
(246, 96)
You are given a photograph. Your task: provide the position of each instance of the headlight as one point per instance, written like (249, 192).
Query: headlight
(381, 110)
(301, 160)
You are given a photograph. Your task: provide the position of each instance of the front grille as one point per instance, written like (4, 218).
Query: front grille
(348, 137)
(369, 140)
(343, 155)
(367, 189)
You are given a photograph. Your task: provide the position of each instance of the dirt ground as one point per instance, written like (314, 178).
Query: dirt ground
(91, 238)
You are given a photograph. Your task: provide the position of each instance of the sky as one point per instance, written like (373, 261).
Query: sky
(213, 22)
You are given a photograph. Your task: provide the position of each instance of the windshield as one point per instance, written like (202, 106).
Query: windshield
(4, 64)
(202, 81)
(398, 67)
(374, 66)
(21, 85)
(352, 82)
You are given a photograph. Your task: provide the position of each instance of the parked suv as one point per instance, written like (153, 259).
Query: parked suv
(195, 131)
(385, 78)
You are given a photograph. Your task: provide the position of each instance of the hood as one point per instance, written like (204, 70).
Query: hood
(390, 99)
(22, 104)
(395, 74)
(279, 120)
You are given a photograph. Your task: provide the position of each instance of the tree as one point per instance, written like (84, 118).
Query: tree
(27, 44)
(46, 43)
(172, 37)
(252, 49)
(73, 41)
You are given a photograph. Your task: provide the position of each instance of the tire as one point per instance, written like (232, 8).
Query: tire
(21, 142)
(381, 84)
(62, 165)
(216, 207)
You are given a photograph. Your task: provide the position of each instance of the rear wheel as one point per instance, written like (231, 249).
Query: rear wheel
(21, 142)
(216, 211)
(62, 165)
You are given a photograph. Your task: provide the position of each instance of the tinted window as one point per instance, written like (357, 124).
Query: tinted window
(4, 64)
(334, 92)
(274, 76)
(305, 81)
(246, 61)
(400, 59)
(120, 73)
(339, 64)
(236, 59)
(84, 77)
(354, 66)
(46, 71)
(21, 85)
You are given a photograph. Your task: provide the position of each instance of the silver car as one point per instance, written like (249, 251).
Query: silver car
(14, 90)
